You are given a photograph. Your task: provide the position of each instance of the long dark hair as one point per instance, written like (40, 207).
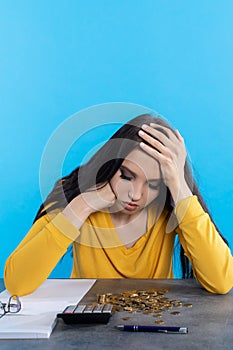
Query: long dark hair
(104, 164)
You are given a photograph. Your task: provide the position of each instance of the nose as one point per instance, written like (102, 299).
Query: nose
(136, 192)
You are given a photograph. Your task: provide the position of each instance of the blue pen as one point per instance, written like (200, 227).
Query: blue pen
(156, 329)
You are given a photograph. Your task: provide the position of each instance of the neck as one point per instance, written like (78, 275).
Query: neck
(121, 219)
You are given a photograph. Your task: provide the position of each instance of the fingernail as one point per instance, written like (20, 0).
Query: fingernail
(141, 132)
(144, 126)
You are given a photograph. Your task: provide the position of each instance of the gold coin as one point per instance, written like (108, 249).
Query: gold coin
(159, 321)
(188, 305)
(146, 301)
(101, 298)
(175, 313)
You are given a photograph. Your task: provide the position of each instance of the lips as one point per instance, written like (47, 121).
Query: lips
(130, 206)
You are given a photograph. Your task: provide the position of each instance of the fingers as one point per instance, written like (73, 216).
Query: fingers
(162, 133)
(161, 142)
(167, 147)
(158, 136)
(154, 153)
(153, 145)
(179, 136)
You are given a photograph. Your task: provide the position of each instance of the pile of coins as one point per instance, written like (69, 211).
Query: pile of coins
(146, 301)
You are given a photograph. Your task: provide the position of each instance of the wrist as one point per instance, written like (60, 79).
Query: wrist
(77, 211)
(180, 192)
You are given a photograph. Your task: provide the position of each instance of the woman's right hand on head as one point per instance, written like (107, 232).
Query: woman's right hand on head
(94, 199)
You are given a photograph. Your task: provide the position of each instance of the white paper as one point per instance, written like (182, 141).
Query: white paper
(37, 316)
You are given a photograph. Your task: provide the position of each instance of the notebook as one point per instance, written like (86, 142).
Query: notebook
(37, 316)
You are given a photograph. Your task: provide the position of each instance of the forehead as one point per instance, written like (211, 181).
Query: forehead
(142, 164)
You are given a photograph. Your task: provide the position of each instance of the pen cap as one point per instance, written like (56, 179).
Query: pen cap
(183, 330)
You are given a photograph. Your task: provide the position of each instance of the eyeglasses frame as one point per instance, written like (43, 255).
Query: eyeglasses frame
(6, 307)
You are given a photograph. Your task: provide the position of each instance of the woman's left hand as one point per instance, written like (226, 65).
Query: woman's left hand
(168, 148)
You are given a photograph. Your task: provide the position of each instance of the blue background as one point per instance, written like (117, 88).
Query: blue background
(60, 57)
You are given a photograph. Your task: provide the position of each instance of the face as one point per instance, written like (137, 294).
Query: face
(137, 182)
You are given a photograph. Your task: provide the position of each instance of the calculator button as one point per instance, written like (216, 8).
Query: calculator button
(88, 309)
(108, 308)
(98, 308)
(70, 309)
(79, 308)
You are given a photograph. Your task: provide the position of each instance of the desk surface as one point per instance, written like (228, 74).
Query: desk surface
(210, 322)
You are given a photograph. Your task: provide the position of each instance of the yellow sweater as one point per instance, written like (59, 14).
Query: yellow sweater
(98, 252)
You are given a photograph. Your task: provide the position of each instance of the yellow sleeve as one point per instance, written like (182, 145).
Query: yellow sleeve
(209, 255)
(36, 256)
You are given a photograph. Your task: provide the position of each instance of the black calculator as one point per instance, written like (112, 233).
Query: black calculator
(87, 313)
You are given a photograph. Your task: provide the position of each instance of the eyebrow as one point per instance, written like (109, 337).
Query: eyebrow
(135, 175)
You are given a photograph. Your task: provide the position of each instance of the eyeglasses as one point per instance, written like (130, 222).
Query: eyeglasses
(13, 306)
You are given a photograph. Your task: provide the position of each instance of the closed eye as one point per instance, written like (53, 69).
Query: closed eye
(124, 176)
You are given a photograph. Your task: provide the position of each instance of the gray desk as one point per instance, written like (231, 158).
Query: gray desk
(210, 322)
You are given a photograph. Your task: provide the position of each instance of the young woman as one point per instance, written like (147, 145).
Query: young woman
(121, 212)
